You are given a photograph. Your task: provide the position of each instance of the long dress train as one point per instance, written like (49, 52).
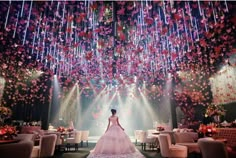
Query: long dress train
(115, 143)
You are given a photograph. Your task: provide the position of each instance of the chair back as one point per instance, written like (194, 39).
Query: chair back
(137, 134)
(84, 135)
(171, 133)
(151, 131)
(72, 133)
(165, 143)
(59, 139)
(142, 136)
(58, 134)
(21, 149)
(185, 137)
(47, 145)
(77, 138)
(211, 148)
(23, 136)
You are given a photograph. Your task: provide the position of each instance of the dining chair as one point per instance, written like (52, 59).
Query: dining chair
(59, 142)
(21, 149)
(137, 136)
(74, 141)
(46, 146)
(151, 131)
(171, 133)
(144, 139)
(211, 148)
(84, 137)
(185, 137)
(169, 150)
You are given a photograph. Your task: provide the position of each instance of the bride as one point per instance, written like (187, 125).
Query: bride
(114, 143)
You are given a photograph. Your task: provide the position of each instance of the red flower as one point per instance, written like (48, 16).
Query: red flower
(70, 129)
(160, 128)
(211, 128)
(2, 132)
(61, 129)
(7, 132)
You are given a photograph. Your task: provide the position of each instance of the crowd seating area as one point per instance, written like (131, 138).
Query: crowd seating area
(185, 142)
(34, 142)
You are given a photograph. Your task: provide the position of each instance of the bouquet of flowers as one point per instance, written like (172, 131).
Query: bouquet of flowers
(61, 129)
(215, 110)
(70, 129)
(7, 132)
(206, 130)
(160, 128)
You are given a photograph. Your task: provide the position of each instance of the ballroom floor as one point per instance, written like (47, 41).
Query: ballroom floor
(84, 151)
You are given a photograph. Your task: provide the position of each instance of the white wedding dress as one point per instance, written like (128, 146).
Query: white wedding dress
(115, 143)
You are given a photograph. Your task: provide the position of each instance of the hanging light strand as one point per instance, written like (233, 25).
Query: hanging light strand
(9, 7)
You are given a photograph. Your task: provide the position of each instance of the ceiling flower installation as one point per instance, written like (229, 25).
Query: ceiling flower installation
(117, 43)
(105, 40)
